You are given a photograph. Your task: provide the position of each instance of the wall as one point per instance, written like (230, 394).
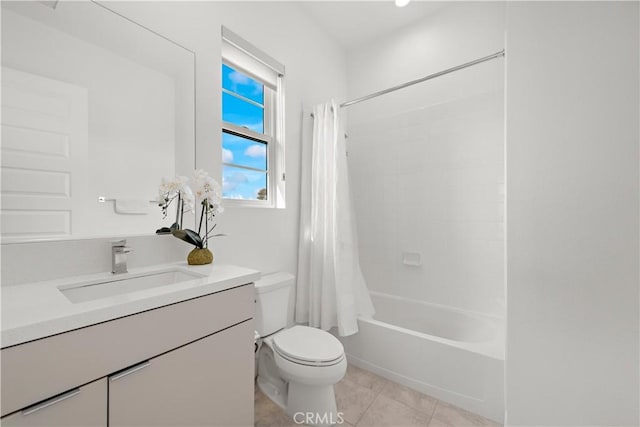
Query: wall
(264, 239)
(437, 150)
(573, 261)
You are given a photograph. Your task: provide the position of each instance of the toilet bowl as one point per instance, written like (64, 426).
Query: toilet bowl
(297, 366)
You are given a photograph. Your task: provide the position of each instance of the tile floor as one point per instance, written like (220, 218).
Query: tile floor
(367, 400)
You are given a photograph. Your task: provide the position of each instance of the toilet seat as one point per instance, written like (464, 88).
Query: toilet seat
(308, 346)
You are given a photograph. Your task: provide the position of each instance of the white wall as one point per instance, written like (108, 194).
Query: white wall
(427, 162)
(573, 261)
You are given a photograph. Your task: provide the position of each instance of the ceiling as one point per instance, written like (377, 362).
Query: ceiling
(353, 23)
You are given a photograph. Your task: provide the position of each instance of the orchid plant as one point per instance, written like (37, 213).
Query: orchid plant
(172, 189)
(205, 189)
(208, 190)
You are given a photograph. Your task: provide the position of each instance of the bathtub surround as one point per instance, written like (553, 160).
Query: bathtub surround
(330, 290)
(431, 217)
(438, 151)
(573, 188)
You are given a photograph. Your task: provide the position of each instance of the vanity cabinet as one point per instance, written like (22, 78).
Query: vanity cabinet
(201, 384)
(187, 363)
(84, 406)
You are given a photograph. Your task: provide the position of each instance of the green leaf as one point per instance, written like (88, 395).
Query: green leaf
(189, 236)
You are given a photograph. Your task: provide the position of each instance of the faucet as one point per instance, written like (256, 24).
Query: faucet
(119, 256)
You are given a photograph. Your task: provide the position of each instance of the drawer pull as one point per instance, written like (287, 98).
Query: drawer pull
(52, 401)
(131, 370)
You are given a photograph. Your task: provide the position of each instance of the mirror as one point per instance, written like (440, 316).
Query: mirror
(93, 106)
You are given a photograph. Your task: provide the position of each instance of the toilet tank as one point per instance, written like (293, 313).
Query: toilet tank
(273, 293)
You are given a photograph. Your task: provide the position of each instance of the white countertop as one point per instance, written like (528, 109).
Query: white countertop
(36, 310)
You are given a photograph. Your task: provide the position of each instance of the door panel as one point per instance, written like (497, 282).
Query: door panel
(82, 407)
(206, 383)
(44, 155)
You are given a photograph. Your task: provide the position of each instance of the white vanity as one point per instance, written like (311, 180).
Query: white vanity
(94, 351)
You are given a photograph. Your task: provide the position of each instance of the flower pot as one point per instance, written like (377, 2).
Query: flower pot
(200, 256)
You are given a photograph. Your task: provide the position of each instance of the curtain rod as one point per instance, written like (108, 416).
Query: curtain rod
(422, 79)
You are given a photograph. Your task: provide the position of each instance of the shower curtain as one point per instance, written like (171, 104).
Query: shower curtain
(330, 290)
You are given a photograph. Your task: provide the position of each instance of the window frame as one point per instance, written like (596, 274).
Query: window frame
(273, 120)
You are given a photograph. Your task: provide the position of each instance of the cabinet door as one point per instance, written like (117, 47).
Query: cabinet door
(206, 383)
(83, 407)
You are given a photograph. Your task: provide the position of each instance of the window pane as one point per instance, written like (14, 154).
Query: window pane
(240, 83)
(244, 152)
(242, 113)
(238, 183)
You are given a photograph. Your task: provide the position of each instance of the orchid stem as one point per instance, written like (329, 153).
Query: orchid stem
(178, 210)
(181, 213)
(201, 215)
(211, 231)
(206, 228)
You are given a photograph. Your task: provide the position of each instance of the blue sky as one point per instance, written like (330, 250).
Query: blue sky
(238, 183)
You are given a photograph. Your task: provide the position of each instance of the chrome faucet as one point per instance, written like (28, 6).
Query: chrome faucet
(119, 256)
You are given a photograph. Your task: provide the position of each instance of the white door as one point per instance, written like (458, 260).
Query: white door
(44, 155)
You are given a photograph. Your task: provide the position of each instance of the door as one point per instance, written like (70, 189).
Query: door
(85, 406)
(206, 383)
(44, 155)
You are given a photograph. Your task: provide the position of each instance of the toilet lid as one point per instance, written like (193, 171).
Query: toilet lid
(308, 345)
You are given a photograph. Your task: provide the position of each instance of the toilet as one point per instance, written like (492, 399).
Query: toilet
(297, 366)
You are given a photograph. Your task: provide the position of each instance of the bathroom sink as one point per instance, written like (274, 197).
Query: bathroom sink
(124, 284)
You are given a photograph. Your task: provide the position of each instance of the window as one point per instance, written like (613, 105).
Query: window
(252, 125)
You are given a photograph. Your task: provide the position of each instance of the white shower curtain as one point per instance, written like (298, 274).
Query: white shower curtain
(330, 290)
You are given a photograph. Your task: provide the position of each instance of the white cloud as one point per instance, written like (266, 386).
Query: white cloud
(236, 178)
(239, 79)
(227, 156)
(235, 196)
(256, 127)
(228, 186)
(256, 151)
(232, 181)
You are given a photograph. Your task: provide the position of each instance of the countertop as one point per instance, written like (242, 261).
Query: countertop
(37, 310)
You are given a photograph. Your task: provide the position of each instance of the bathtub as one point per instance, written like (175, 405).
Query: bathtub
(450, 354)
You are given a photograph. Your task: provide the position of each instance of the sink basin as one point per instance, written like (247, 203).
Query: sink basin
(124, 284)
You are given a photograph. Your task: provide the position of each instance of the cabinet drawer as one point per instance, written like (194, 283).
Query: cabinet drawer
(82, 407)
(34, 371)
